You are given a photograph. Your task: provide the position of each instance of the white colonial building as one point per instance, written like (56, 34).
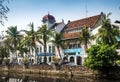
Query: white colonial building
(51, 23)
(74, 51)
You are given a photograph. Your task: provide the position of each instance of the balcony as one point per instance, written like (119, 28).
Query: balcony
(76, 51)
(47, 54)
(118, 39)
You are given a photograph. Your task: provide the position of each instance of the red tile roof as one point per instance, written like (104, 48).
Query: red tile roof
(88, 22)
(71, 35)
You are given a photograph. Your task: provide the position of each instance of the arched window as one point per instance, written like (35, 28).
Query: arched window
(79, 60)
(72, 59)
(32, 60)
(49, 59)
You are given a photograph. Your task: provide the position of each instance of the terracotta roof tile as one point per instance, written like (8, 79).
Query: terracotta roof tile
(71, 35)
(88, 22)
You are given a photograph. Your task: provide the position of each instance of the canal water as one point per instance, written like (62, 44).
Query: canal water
(38, 78)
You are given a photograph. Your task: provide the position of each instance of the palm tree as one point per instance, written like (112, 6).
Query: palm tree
(58, 42)
(85, 37)
(107, 34)
(30, 39)
(45, 35)
(7, 44)
(3, 53)
(22, 49)
(13, 35)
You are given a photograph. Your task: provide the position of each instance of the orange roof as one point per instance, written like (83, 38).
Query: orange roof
(71, 35)
(88, 22)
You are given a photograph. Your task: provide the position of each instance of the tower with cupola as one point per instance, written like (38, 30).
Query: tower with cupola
(49, 20)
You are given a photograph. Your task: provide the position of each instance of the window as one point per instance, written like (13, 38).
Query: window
(71, 59)
(70, 46)
(72, 53)
(53, 48)
(40, 49)
(73, 46)
(37, 50)
(78, 52)
(78, 45)
(50, 49)
(49, 59)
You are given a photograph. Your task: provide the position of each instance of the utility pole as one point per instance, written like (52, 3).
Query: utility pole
(86, 11)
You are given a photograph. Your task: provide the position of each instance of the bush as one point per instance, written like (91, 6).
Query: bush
(118, 62)
(101, 56)
(25, 61)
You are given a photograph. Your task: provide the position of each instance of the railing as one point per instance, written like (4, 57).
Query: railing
(47, 54)
(75, 50)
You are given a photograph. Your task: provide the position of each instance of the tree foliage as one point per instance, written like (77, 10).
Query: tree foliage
(3, 53)
(13, 37)
(28, 43)
(107, 34)
(3, 10)
(85, 37)
(30, 38)
(45, 35)
(101, 56)
(58, 42)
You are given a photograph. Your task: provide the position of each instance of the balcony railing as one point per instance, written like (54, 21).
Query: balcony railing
(77, 51)
(47, 54)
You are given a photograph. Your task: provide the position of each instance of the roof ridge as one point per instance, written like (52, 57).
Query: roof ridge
(86, 18)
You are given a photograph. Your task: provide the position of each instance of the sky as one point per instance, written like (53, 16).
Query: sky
(22, 12)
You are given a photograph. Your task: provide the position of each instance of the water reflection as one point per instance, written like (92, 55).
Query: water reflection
(37, 78)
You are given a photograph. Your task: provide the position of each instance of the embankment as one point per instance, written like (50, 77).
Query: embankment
(64, 70)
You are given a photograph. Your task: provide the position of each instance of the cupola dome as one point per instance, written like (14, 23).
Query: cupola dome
(49, 18)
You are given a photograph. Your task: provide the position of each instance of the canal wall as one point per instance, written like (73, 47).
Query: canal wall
(61, 71)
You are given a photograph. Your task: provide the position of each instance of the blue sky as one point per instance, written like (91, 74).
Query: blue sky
(22, 12)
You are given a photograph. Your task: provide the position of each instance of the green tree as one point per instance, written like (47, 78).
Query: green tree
(3, 53)
(13, 37)
(30, 39)
(45, 35)
(3, 10)
(22, 49)
(85, 37)
(107, 34)
(101, 57)
(58, 42)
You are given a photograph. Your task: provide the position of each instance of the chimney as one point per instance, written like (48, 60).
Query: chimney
(102, 13)
(68, 21)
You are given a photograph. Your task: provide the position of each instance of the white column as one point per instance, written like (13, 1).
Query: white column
(83, 58)
(75, 60)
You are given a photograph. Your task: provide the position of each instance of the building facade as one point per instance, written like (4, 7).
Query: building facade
(51, 23)
(74, 51)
